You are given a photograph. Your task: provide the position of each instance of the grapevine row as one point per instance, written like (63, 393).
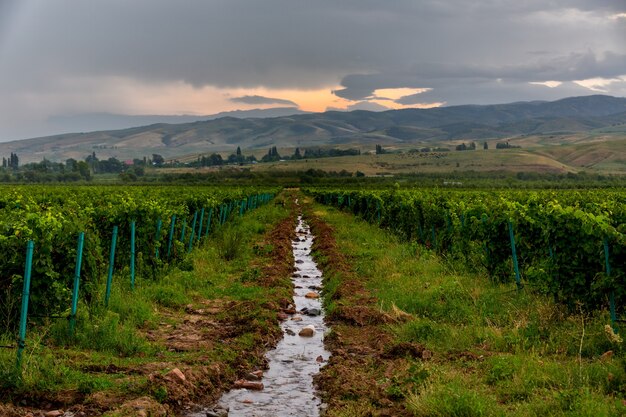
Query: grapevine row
(570, 244)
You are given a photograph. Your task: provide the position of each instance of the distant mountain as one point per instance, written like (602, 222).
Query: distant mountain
(90, 122)
(409, 126)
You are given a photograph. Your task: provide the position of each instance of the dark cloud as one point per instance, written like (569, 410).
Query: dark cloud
(260, 100)
(484, 48)
(440, 78)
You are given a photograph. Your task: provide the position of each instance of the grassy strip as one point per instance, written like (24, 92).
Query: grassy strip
(414, 334)
(213, 317)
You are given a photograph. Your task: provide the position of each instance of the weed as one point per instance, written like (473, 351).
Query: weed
(230, 241)
(452, 399)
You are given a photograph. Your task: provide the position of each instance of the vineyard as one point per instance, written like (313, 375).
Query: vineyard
(505, 301)
(569, 244)
(68, 243)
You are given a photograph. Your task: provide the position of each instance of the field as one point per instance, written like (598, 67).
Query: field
(552, 154)
(440, 302)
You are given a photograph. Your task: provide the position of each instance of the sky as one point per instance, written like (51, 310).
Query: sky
(200, 57)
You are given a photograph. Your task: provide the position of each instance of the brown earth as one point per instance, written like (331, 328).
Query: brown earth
(365, 354)
(204, 325)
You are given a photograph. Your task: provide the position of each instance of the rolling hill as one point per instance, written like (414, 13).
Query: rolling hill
(402, 128)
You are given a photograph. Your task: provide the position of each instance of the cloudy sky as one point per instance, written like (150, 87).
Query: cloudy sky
(67, 57)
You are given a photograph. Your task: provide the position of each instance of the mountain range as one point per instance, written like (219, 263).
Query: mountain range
(407, 127)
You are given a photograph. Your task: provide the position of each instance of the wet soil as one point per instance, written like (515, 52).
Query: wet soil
(286, 388)
(365, 354)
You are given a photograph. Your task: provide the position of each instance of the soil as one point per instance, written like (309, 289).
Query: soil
(364, 352)
(203, 326)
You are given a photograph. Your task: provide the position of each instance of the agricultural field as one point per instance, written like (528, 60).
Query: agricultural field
(439, 302)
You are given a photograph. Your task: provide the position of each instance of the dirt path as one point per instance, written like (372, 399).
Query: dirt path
(365, 355)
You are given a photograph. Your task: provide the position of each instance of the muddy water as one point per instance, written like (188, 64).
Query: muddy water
(288, 383)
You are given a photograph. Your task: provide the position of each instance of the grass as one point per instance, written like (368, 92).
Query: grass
(55, 361)
(496, 351)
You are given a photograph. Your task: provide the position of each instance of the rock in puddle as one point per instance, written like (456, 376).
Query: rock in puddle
(312, 295)
(290, 332)
(217, 412)
(251, 385)
(54, 413)
(307, 331)
(257, 374)
(297, 318)
(312, 312)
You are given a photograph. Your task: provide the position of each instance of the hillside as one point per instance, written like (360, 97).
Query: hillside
(402, 128)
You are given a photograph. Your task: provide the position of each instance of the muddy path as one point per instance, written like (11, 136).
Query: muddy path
(364, 353)
(286, 388)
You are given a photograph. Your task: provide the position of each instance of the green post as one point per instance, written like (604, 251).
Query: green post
(79, 262)
(612, 295)
(514, 253)
(111, 264)
(171, 236)
(132, 255)
(182, 234)
(200, 225)
(193, 231)
(157, 238)
(434, 236)
(208, 222)
(21, 341)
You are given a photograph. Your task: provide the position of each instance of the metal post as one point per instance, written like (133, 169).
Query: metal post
(200, 225)
(193, 231)
(21, 341)
(182, 234)
(433, 236)
(111, 263)
(171, 236)
(157, 238)
(612, 295)
(514, 252)
(132, 255)
(79, 261)
(208, 222)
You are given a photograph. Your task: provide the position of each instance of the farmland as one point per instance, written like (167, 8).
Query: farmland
(441, 302)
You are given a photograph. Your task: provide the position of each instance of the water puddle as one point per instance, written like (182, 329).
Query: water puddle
(288, 383)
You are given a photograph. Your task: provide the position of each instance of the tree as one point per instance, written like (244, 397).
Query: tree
(297, 154)
(71, 165)
(14, 161)
(238, 151)
(157, 159)
(83, 170)
(271, 156)
(379, 150)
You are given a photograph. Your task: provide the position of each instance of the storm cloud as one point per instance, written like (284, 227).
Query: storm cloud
(260, 100)
(68, 56)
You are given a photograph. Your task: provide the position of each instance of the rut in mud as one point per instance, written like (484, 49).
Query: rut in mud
(286, 388)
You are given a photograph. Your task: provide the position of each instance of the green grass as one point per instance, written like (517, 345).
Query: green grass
(496, 351)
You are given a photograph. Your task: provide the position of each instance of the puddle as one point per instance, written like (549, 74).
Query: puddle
(288, 383)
